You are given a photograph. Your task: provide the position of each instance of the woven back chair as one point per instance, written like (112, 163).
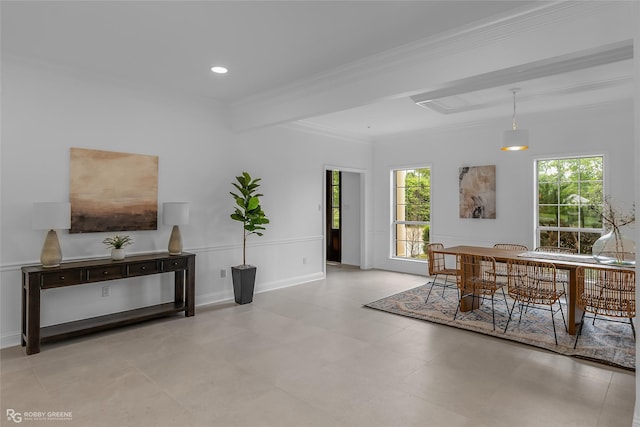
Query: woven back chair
(438, 267)
(556, 249)
(501, 271)
(531, 284)
(511, 247)
(477, 279)
(609, 292)
(562, 276)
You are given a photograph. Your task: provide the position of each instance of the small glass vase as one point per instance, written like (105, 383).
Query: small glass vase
(614, 249)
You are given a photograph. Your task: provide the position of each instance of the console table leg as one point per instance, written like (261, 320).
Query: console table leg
(179, 287)
(32, 316)
(190, 290)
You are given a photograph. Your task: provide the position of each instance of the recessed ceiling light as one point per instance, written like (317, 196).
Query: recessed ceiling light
(219, 70)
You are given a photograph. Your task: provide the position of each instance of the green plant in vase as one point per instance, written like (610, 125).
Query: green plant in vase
(249, 212)
(117, 244)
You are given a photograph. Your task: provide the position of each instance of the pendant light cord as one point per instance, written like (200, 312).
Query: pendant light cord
(515, 127)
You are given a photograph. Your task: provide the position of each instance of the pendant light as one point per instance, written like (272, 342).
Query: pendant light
(515, 139)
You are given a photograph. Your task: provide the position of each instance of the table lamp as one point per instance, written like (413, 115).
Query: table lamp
(175, 214)
(51, 216)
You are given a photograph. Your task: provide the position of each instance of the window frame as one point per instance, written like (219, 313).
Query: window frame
(393, 211)
(537, 228)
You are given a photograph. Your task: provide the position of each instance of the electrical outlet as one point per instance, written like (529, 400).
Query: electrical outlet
(223, 273)
(106, 291)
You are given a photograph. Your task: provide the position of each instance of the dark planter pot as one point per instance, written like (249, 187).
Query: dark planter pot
(244, 280)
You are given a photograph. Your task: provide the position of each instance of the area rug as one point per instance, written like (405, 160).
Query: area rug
(605, 342)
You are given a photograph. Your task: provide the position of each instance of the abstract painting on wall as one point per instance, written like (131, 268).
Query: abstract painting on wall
(477, 192)
(113, 191)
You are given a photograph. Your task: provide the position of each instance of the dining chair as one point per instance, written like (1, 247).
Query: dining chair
(606, 292)
(562, 276)
(532, 284)
(438, 267)
(511, 247)
(501, 268)
(556, 249)
(477, 279)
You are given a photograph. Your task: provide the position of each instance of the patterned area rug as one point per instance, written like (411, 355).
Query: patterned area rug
(606, 342)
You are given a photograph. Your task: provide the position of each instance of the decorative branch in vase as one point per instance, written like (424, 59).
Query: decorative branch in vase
(614, 247)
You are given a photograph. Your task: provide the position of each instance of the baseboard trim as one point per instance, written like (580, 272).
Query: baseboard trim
(13, 338)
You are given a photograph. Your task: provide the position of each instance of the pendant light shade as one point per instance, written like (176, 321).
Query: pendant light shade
(515, 139)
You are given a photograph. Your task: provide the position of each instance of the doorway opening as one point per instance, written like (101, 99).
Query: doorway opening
(334, 215)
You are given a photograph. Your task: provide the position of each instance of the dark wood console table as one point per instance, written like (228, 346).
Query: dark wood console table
(37, 278)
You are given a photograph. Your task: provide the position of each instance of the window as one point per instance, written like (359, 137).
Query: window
(335, 200)
(566, 188)
(411, 212)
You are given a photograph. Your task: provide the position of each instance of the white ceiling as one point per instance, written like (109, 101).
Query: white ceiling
(267, 45)
(593, 85)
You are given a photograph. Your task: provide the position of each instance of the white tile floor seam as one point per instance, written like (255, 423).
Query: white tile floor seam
(311, 355)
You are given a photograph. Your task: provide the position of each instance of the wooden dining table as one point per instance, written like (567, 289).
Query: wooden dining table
(561, 261)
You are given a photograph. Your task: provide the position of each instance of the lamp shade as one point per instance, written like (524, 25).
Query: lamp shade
(51, 216)
(515, 139)
(175, 213)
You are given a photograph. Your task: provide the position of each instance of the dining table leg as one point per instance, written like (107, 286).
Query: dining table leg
(574, 313)
(468, 301)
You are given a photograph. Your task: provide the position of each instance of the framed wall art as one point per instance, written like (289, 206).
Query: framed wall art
(113, 191)
(477, 186)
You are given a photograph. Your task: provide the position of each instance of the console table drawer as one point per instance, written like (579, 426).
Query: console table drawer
(174, 264)
(98, 274)
(143, 268)
(61, 278)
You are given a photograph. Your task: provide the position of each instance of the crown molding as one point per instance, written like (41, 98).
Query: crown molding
(316, 129)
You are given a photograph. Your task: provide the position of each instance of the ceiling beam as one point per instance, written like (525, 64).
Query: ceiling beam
(555, 30)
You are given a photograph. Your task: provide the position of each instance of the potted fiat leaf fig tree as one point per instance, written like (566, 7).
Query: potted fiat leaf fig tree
(249, 212)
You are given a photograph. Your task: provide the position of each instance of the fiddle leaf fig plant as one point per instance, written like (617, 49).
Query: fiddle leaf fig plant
(248, 210)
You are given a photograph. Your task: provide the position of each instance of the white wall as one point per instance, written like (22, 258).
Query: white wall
(46, 111)
(604, 129)
(351, 218)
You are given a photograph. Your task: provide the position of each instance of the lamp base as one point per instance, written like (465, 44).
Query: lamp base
(51, 254)
(175, 241)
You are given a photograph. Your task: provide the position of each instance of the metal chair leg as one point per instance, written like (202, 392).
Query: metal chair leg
(444, 285)
(553, 322)
(429, 293)
(510, 313)
(579, 330)
(563, 319)
(493, 313)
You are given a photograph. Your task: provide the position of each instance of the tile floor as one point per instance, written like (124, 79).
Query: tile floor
(310, 355)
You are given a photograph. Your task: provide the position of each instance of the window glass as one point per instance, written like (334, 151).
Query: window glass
(335, 200)
(412, 212)
(566, 189)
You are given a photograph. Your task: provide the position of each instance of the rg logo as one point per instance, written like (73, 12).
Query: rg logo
(14, 416)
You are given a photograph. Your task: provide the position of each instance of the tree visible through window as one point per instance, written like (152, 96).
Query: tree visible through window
(566, 188)
(412, 212)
